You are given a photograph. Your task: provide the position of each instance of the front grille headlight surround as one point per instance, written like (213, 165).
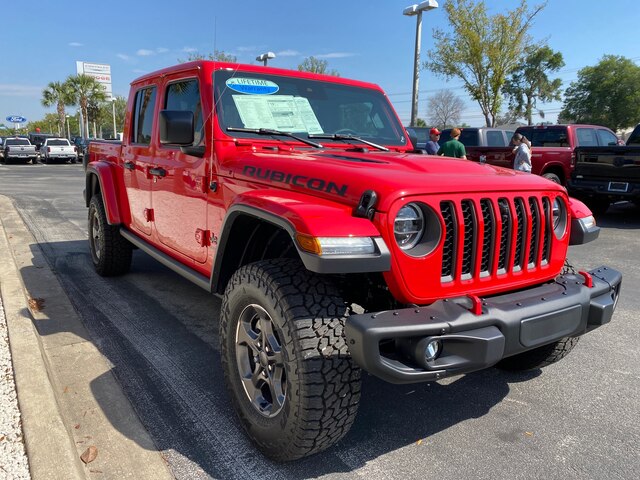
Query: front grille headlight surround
(559, 217)
(417, 229)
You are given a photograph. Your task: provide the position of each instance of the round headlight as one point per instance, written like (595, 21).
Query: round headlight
(408, 226)
(559, 216)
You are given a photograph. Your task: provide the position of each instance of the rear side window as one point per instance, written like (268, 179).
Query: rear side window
(495, 139)
(586, 137)
(606, 138)
(185, 95)
(143, 116)
(469, 137)
(546, 137)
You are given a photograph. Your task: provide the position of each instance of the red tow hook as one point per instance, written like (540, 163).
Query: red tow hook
(476, 304)
(588, 279)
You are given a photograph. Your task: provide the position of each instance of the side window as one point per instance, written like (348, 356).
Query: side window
(185, 95)
(606, 138)
(495, 138)
(586, 137)
(469, 137)
(143, 116)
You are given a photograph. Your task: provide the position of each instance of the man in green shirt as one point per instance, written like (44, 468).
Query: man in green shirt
(454, 147)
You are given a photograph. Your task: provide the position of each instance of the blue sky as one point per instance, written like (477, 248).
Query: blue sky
(365, 40)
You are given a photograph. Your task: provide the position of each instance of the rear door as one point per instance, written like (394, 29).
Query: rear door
(137, 155)
(181, 180)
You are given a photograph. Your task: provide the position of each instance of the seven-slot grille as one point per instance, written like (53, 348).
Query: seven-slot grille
(495, 236)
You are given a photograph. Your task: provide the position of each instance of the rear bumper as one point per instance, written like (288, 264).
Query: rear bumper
(606, 187)
(507, 325)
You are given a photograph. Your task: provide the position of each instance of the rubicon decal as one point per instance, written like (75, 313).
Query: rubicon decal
(303, 181)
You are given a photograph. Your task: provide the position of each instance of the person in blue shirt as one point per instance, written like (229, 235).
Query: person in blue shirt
(432, 144)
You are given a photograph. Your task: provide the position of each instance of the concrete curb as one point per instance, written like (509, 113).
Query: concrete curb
(64, 383)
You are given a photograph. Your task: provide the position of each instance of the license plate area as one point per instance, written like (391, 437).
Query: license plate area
(622, 187)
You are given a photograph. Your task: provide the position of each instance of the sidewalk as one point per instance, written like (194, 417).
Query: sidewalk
(62, 416)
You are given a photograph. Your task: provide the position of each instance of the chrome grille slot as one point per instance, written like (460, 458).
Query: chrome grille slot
(488, 220)
(505, 234)
(518, 259)
(470, 233)
(448, 250)
(534, 237)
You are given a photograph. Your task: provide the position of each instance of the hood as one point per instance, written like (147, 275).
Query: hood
(343, 176)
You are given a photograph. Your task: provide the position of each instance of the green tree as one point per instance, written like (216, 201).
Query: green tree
(58, 94)
(606, 94)
(85, 90)
(217, 55)
(317, 65)
(481, 50)
(530, 83)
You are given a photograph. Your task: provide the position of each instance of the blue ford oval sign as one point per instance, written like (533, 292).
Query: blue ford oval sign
(16, 119)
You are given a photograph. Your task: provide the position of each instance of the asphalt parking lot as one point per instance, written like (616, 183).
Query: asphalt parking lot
(577, 419)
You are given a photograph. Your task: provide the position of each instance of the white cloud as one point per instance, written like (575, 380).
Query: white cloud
(189, 49)
(335, 55)
(20, 90)
(144, 52)
(162, 50)
(288, 53)
(124, 57)
(76, 44)
(247, 49)
(137, 70)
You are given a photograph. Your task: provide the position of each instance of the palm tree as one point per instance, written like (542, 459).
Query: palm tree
(85, 90)
(57, 94)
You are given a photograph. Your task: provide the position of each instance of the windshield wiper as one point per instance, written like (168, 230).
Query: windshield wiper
(268, 131)
(342, 136)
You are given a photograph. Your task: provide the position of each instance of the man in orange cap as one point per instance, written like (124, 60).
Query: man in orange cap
(432, 145)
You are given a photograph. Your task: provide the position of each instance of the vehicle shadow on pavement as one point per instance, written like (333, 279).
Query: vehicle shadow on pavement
(622, 215)
(143, 324)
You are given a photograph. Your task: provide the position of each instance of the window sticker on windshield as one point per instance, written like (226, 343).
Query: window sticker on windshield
(252, 86)
(281, 112)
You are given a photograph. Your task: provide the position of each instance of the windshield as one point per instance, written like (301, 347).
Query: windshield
(302, 106)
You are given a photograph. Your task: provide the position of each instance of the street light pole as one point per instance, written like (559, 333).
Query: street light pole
(417, 11)
(265, 56)
(113, 104)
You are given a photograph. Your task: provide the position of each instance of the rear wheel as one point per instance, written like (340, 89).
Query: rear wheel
(539, 357)
(110, 252)
(553, 177)
(286, 363)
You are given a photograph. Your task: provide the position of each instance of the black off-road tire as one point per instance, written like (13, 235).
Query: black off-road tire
(553, 177)
(110, 252)
(539, 357)
(320, 396)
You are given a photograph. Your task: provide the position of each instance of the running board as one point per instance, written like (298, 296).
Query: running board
(167, 261)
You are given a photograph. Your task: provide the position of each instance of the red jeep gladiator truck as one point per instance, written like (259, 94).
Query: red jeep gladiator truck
(335, 250)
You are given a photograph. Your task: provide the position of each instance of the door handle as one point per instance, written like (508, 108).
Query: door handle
(129, 165)
(157, 172)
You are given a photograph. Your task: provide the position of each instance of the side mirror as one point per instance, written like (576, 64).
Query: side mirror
(176, 127)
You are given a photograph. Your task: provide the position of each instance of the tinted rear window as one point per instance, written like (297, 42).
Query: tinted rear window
(469, 137)
(17, 141)
(58, 143)
(546, 137)
(634, 138)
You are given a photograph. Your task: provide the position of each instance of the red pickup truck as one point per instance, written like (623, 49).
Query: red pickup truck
(294, 196)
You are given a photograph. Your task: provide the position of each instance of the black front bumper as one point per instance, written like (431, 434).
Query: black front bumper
(507, 325)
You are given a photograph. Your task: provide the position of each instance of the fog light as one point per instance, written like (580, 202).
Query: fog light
(433, 350)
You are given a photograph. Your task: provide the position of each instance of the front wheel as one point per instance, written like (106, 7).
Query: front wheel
(110, 252)
(539, 357)
(553, 177)
(286, 363)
